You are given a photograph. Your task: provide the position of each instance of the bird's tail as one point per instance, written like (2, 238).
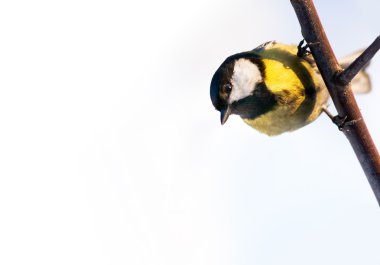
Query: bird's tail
(361, 83)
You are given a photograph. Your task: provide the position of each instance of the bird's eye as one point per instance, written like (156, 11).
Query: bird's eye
(227, 88)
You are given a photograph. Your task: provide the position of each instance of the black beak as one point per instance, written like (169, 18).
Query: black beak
(224, 114)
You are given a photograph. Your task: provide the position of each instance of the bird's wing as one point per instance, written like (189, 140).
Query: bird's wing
(264, 46)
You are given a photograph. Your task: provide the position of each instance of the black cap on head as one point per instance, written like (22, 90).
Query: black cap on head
(221, 79)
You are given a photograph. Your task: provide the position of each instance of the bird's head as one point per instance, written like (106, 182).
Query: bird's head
(234, 83)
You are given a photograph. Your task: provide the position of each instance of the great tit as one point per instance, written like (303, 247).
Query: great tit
(274, 89)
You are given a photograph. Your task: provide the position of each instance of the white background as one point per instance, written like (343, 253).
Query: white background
(111, 152)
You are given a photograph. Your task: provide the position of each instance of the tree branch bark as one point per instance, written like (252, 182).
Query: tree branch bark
(353, 69)
(355, 130)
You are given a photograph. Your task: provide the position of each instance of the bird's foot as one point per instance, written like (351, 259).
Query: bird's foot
(304, 50)
(342, 122)
(339, 121)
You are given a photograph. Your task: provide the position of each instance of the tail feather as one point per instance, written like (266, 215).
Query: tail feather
(361, 83)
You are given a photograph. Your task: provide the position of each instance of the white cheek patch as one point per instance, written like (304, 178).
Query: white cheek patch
(244, 79)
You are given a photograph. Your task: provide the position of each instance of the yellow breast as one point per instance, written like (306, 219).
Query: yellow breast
(297, 89)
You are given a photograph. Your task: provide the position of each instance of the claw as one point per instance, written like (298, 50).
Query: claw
(302, 50)
(342, 122)
(339, 121)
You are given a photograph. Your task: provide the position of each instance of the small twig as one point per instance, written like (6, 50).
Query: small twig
(342, 96)
(351, 71)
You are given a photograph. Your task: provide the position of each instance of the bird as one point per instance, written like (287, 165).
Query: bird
(275, 88)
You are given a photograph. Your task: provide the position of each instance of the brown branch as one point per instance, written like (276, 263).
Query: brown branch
(356, 130)
(351, 71)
